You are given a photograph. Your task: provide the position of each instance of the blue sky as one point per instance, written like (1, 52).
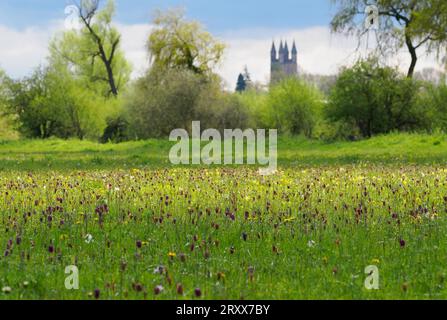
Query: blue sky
(218, 15)
(247, 27)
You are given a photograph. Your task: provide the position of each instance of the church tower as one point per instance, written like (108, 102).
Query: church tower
(282, 64)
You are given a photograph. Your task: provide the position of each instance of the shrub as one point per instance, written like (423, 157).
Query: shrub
(171, 99)
(331, 131)
(293, 107)
(52, 103)
(116, 130)
(434, 101)
(377, 100)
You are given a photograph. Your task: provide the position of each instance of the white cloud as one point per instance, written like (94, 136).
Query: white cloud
(134, 38)
(23, 50)
(319, 51)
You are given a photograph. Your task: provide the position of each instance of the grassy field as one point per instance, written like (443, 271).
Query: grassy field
(138, 228)
(292, 152)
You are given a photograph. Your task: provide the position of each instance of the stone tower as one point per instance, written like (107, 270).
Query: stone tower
(283, 65)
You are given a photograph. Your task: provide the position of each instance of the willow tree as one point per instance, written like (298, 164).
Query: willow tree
(178, 43)
(413, 24)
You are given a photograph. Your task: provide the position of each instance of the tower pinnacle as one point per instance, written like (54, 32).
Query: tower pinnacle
(282, 64)
(273, 52)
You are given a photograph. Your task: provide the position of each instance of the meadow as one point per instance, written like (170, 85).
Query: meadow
(137, 227)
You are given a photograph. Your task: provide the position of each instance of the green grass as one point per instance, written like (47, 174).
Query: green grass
(307, 232)
(73, 154)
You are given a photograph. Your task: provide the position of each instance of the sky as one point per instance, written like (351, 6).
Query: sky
(217, 15)
(246, 26)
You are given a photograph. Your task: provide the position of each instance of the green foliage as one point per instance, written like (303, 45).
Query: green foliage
(169, 99)
(3, 89)
(71, 96)
(53, 103)
(293, 107)
(433, 100)
(331, 131)
(178, 43)
(256, 107)
(93, 54)
(7, 131)
(403, 23)
(116, 131)
(376, 100)
(163, 101)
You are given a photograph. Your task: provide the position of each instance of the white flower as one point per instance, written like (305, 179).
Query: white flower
(311, 244)
(159, 270)
(88, 238)
(6, 290)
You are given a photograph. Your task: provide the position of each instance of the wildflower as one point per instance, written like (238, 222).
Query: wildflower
(88, 238)
(96, 293)
(311, 244)
(180, 289)
(182, 257)
(138, 287)
(123, 265)
(6, 290)
(197, 292)
(158, 289)
(244, 236)
(405, 287)
(375, 261)
(172, 255)
(402, 243)
(139, 244)
(220, 276)
(251, 272)
(159, 270)
(51, 249)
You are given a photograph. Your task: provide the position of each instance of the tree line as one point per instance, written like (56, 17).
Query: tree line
(85, 91)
